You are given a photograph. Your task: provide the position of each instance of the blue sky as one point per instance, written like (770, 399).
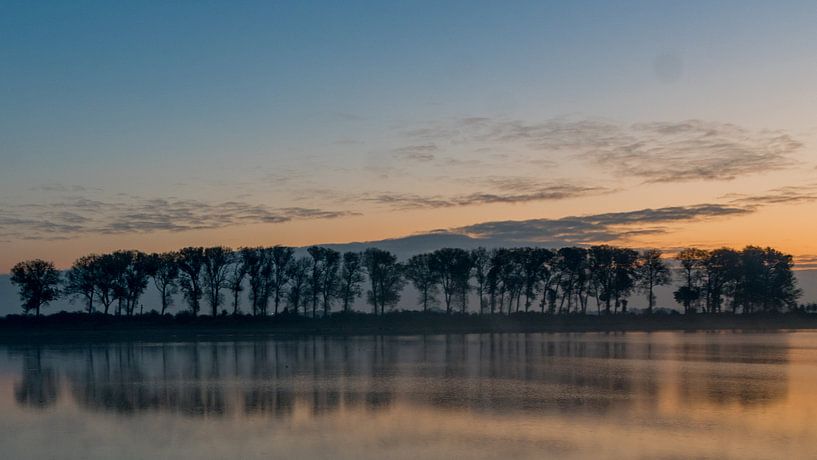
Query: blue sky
(318, 106)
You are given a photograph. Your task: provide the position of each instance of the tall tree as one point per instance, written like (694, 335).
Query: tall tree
(572, 265)
(331, 279)
(625, 275)
(535, 270)
(652, 272)
(385, 277)
(692, 265)
(191, 264)
(134, 271)
(37, 283)
(215, 272)
(281, 257)
(316, 275)
(493, 281)
(257, 264)
(108, 277)
(451, 266)
(79, 280)
(351, 278)
(165, 273)
(420, 270)
(481, 260)
(765, 281)
(235, 281)
(720, 277)
(298, 274)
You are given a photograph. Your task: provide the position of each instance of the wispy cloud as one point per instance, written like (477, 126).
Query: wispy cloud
(598, 228)
(62, 188)
(793, 194)
(506, 194)
(416, 152)
(80, 216)
(654, 152)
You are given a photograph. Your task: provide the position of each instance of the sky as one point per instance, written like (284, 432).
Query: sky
(155, 125)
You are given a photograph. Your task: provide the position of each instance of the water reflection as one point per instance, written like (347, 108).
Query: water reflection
(38, 384)
(501, 373)
(634, 395)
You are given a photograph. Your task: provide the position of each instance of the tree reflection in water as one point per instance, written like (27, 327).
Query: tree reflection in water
(502, 373)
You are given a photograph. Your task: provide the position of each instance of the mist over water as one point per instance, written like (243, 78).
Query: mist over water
(633, 395)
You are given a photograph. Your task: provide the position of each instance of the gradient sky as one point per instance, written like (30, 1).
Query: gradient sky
(154, 125)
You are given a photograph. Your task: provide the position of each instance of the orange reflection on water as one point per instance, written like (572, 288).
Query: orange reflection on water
(634, 395)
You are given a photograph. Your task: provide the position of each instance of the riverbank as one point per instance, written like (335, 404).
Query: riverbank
(71, 326)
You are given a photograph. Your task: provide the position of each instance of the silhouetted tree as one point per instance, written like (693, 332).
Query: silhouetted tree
(351, 278)
(37, 283)
(165, 273)
(572, 265)
(191, 264)
(323, 277)
(451, 265)
(385, 277)
(331, 279)
(626, 275)
(420, 270)
(282, 258)
(298, 274)
(215, 273)
(133, 270)
(652, 271)
(481, 260)
(79, 280)
(462, 282)
(512, 279)
(765, 281)
(692, 265)
(534, 262)
(235, 280)
(257, 264)
(108, 280)
(493, 280)
(720, 276)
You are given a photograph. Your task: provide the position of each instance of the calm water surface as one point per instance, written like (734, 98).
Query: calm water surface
(634, 395)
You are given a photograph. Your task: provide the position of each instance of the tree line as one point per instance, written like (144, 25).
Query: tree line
(274, 280)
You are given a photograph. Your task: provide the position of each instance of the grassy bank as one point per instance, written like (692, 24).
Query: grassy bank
(69, 326)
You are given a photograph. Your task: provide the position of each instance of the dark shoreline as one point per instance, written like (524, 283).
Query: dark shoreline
(76, 326)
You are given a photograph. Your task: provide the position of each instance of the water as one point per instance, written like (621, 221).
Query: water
(633, 395)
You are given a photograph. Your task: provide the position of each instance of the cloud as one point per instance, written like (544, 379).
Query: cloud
(654, 152)
(508, 193)
(598, 228)
(416, 152)
(82, 216)
(805, 262)
(793, 194)
(62, 188)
